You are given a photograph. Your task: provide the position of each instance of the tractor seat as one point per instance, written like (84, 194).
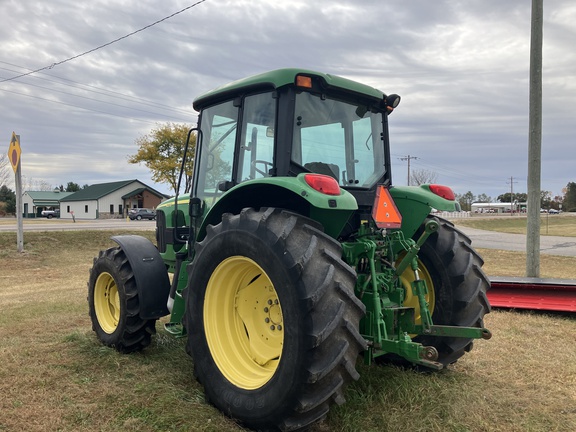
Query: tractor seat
(331, 170)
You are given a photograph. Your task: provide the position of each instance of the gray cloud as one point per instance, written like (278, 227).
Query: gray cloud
(460, 66)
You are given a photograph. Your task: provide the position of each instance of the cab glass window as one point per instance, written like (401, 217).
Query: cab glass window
(339, 139)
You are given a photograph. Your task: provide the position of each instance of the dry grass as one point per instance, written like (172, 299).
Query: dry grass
(563, 225)
(510, 263)
(55, 376)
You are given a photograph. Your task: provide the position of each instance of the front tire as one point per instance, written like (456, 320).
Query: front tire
(114, 304)
(459, 286)
(272, 319)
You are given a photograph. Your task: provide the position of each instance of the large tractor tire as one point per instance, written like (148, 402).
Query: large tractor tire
(272, 319)
(114, 303)
(457, 287)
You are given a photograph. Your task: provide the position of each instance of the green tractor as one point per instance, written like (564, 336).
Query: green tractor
(294, 254)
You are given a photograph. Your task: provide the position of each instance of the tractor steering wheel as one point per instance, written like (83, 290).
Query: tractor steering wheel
(264, 171)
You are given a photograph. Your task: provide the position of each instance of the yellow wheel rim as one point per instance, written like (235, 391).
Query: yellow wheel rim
(107, 302)
(411, 300)
(243, 322)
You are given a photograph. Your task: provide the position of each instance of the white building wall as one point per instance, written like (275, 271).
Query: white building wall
(115, 199)
(80, 209)
(27, 199)
(101, 207)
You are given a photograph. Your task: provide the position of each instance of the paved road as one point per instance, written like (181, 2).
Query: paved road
(68, 225)
(551, 245)
(565, 246)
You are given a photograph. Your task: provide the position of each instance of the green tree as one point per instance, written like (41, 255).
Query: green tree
(6, 193)
(161, 151)
(546, 199)
(465, 200)
(8, 197)
(519, 197)
(483, 198)
(72, 187)
(569, 202)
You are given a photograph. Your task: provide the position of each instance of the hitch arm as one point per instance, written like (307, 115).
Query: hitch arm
(430, 228)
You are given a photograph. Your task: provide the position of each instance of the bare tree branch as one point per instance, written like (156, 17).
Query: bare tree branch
(422, 176)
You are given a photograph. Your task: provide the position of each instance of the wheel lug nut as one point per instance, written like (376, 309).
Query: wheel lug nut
(272, 327)
(276, 301)
(266, 309)
(279, 327)
(269, 302)
(267, 320)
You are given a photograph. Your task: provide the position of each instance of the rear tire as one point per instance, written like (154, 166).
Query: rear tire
(114, 303)
(459, 287)
(272, 319)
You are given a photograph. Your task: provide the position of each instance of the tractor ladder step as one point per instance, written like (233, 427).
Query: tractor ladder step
(533, 293)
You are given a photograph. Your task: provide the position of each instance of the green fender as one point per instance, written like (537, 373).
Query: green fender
(290, 193)
(415, 203)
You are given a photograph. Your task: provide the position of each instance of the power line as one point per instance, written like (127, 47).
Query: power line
(98, 90)
(104, 45)
(99, 101)
(81, 107)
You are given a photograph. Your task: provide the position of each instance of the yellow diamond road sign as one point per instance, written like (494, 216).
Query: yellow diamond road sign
(14, 151)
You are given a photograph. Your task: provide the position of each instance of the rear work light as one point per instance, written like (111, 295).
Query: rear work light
(442, 191)
(323, 184)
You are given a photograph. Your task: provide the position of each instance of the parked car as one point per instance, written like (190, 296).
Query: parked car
(553, 211)
(51, 213)
(142, 213)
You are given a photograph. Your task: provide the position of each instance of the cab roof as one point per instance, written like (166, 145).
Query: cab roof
(277, 78)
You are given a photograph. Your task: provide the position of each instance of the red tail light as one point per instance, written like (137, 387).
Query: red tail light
(323, 183)
(443, 191)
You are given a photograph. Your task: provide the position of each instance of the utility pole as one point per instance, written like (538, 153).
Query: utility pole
(408, 158)
(534, 142)
(512, 195)
(14, 152)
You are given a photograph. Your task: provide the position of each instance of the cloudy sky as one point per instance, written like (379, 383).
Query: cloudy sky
(461, 67)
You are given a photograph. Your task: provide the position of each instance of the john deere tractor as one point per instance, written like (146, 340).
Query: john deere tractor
(294, 254)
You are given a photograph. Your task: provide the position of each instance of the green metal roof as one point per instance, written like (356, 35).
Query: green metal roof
(46, 203)
(97, 191)
(278, 78)
(47, 198)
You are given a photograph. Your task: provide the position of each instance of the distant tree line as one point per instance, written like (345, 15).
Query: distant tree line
(565, 202)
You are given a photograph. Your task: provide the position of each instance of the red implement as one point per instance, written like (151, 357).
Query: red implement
(533, 293)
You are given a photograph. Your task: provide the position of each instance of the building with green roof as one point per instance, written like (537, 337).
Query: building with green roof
(109, 200)
(98, 201)
(36, 201)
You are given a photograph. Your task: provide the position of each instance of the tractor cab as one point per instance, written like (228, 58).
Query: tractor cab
(288, 122)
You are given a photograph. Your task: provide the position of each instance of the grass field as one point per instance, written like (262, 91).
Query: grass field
(554, 225)
(55, 376)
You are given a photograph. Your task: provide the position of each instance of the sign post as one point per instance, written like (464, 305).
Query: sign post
(14, 152)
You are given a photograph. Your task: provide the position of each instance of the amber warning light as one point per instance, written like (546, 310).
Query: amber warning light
(384, 212)
(303, 81)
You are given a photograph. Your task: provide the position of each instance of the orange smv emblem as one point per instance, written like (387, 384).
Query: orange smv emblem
(384, 212)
